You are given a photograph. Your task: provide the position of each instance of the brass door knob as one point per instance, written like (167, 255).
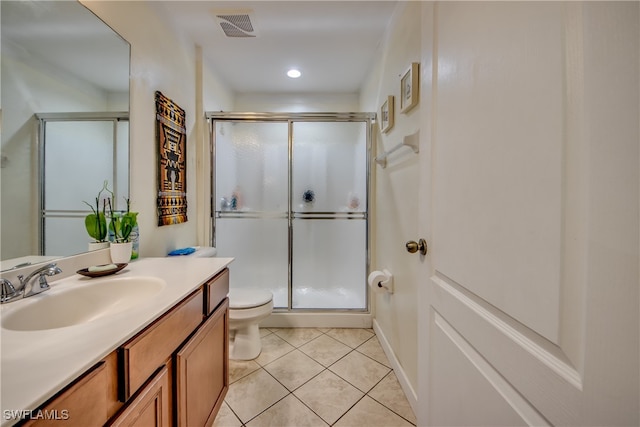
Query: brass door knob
(413, 247)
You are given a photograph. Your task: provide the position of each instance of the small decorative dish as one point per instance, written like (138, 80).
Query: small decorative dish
(101, 270)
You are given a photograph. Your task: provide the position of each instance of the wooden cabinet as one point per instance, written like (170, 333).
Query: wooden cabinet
(202, 376)
(216, 291)
(82, 404)
(174, 372)
(143, 354)
(193, 338)
(150, 406)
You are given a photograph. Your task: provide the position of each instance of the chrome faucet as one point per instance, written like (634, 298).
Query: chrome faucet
(29, 287)
(35, 283)
(9, 292)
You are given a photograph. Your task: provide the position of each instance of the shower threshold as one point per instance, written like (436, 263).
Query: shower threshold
(318, 319)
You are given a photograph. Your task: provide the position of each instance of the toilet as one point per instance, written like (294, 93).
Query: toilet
(247, 308)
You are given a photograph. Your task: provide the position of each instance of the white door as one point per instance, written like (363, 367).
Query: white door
(530, 205)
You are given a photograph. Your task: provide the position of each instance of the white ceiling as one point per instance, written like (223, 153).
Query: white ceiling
(333, 43)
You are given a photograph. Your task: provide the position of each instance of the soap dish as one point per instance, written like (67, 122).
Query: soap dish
(86, 272)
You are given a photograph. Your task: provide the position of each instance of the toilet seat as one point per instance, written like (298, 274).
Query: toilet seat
(240, 299)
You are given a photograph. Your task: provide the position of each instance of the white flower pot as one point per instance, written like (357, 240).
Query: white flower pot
(94, 246)
(121, 252)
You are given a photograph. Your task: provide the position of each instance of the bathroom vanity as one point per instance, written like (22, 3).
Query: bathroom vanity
(161, 361)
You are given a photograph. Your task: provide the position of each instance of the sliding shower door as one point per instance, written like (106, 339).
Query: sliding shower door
(291, 204)
(329, 196)
(251, 212)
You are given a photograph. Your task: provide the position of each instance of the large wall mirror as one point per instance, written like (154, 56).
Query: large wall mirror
(65, 128)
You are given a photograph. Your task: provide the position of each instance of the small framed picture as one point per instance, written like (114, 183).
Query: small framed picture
(409, 85)
(386, 115)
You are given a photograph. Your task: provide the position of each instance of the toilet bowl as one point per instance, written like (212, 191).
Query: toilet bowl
(247, 307)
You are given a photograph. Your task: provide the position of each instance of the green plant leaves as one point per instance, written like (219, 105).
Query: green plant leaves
(96, 225)
(122, 225)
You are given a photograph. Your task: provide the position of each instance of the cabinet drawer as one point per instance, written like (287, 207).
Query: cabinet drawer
(216, 291)
(82, 404)
(141, 356)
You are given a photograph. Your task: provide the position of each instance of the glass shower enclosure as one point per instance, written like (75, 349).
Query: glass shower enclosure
(290, 204)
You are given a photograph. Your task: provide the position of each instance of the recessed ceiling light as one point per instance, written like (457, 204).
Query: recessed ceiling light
(293, 73)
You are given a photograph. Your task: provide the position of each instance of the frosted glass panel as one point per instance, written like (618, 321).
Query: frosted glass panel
(329, 166)
(84, 147)
(260, 249)
(252, 167)
(65, 236)
(329, 264)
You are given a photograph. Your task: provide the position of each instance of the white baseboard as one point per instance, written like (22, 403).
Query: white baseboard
(317, 320)
(412, 397)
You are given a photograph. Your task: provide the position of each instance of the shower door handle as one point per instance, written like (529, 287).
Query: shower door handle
(413, 247)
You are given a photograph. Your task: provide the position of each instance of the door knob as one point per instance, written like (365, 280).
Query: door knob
(413, 247)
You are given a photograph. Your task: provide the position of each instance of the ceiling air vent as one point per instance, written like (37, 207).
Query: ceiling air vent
(236, 25)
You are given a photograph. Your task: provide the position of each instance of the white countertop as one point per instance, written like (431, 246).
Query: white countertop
(34, 365)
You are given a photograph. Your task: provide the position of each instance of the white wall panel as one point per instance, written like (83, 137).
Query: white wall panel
(498, 212)
(460, 373)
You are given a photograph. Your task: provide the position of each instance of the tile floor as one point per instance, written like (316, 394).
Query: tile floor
(315, 377)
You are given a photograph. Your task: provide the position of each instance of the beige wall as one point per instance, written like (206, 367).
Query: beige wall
(395, 203)
(161, 61)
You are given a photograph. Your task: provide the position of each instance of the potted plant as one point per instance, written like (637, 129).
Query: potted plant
(96, 223)
(121, 226)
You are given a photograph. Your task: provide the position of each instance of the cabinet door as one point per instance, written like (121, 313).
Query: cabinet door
(83, 404)
(202, 367)
(150, 407)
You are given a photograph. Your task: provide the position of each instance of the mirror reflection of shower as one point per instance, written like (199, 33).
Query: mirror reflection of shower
(291, 207)
(95, 146)
(47, 70)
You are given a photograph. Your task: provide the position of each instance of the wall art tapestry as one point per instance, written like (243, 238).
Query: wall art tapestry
(172, 161)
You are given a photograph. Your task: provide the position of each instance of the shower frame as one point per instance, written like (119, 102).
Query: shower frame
(290, 119)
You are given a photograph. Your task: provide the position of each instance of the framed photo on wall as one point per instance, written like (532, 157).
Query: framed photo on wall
(409, 85)
(386, 114)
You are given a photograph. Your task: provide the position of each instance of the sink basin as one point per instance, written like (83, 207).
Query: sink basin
(81, 303)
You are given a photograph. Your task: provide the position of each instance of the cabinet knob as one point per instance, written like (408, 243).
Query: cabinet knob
(413, 247)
